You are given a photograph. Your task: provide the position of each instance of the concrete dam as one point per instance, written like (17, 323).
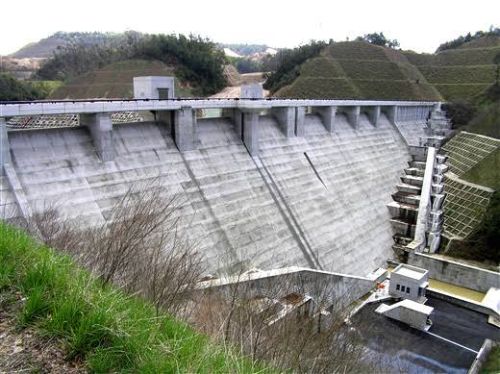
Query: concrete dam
(294, 183)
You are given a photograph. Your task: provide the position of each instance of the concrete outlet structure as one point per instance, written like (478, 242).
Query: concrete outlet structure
(154, 87)
(409, 282)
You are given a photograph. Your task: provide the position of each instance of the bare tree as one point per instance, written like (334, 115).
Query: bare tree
(138, 248)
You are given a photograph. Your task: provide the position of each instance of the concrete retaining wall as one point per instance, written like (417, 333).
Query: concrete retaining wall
(338, 289)
(481, 357)
(456, 273)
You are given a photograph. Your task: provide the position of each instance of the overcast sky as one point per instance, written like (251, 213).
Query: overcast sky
(420, 25)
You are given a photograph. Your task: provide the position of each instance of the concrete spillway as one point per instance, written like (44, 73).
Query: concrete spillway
(317, 201)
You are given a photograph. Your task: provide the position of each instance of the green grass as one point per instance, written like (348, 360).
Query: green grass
(358, 70)
(453, 92)
(108, 330)
(459, 74)
(322, 67)
(376, 69)
(486, 121)
(320, 88)
(486, 172)
(492, 364)
(355, 51)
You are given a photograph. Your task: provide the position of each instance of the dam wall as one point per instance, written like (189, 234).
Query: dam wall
(278, 183)
(316, 200)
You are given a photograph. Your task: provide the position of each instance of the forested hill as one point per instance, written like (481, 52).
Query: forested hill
(44, 48)
(195, 61)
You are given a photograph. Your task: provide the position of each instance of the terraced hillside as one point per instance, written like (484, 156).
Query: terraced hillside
(473, 161)
(316, 201)
(460, 73)
(360, 70)
(114, 81)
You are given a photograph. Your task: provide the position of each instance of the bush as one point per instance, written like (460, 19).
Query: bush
(12, 89)
(288, 64)
(460, 113)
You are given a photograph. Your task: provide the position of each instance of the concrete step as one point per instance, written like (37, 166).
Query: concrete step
(406, 198)
(403, 227)
(401, 240)
(408, 188)
(412, 180)
(400, 248)
(417, 164)
(398, 210)
(419, 158)
(415, 172)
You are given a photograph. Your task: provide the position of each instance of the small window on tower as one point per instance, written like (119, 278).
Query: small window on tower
(397, 287)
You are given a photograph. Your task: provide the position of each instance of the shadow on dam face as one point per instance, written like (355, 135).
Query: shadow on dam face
(335, 184)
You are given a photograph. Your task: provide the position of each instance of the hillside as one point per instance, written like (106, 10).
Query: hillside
(45, 47)
(461, 73)
(115, 81)
(359, 70)
(81, 322)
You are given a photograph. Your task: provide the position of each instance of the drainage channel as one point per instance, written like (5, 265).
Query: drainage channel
(452, 342)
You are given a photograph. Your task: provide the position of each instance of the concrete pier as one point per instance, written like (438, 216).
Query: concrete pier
(353, 114)
(4, 146)
(327, 115)
(250, 128)
(185, 133)
(286, 119)
(101, 130)
(300, 117)
(373, 114)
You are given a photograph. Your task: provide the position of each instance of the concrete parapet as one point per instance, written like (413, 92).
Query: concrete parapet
(101, 130)
(185, 132)
(336, 289)
(250, 130)
(454, 272)
(300, 120)
(4, 145)
(286, 119)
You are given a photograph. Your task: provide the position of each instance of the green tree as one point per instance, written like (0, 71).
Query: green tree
(378, 38)
(496, 61)
(12, 89)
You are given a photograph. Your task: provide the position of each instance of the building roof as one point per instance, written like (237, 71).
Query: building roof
(418, 307)
(409, 271)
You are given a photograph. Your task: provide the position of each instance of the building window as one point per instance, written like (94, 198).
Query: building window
(402, 288)
(397, 287)
(408, 290)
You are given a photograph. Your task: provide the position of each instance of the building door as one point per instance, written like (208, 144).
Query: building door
(163, 93)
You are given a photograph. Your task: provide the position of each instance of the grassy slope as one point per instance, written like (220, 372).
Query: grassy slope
(360, 70)
(114, 81)
(108, 330)
(486, 172)
(461, 73)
